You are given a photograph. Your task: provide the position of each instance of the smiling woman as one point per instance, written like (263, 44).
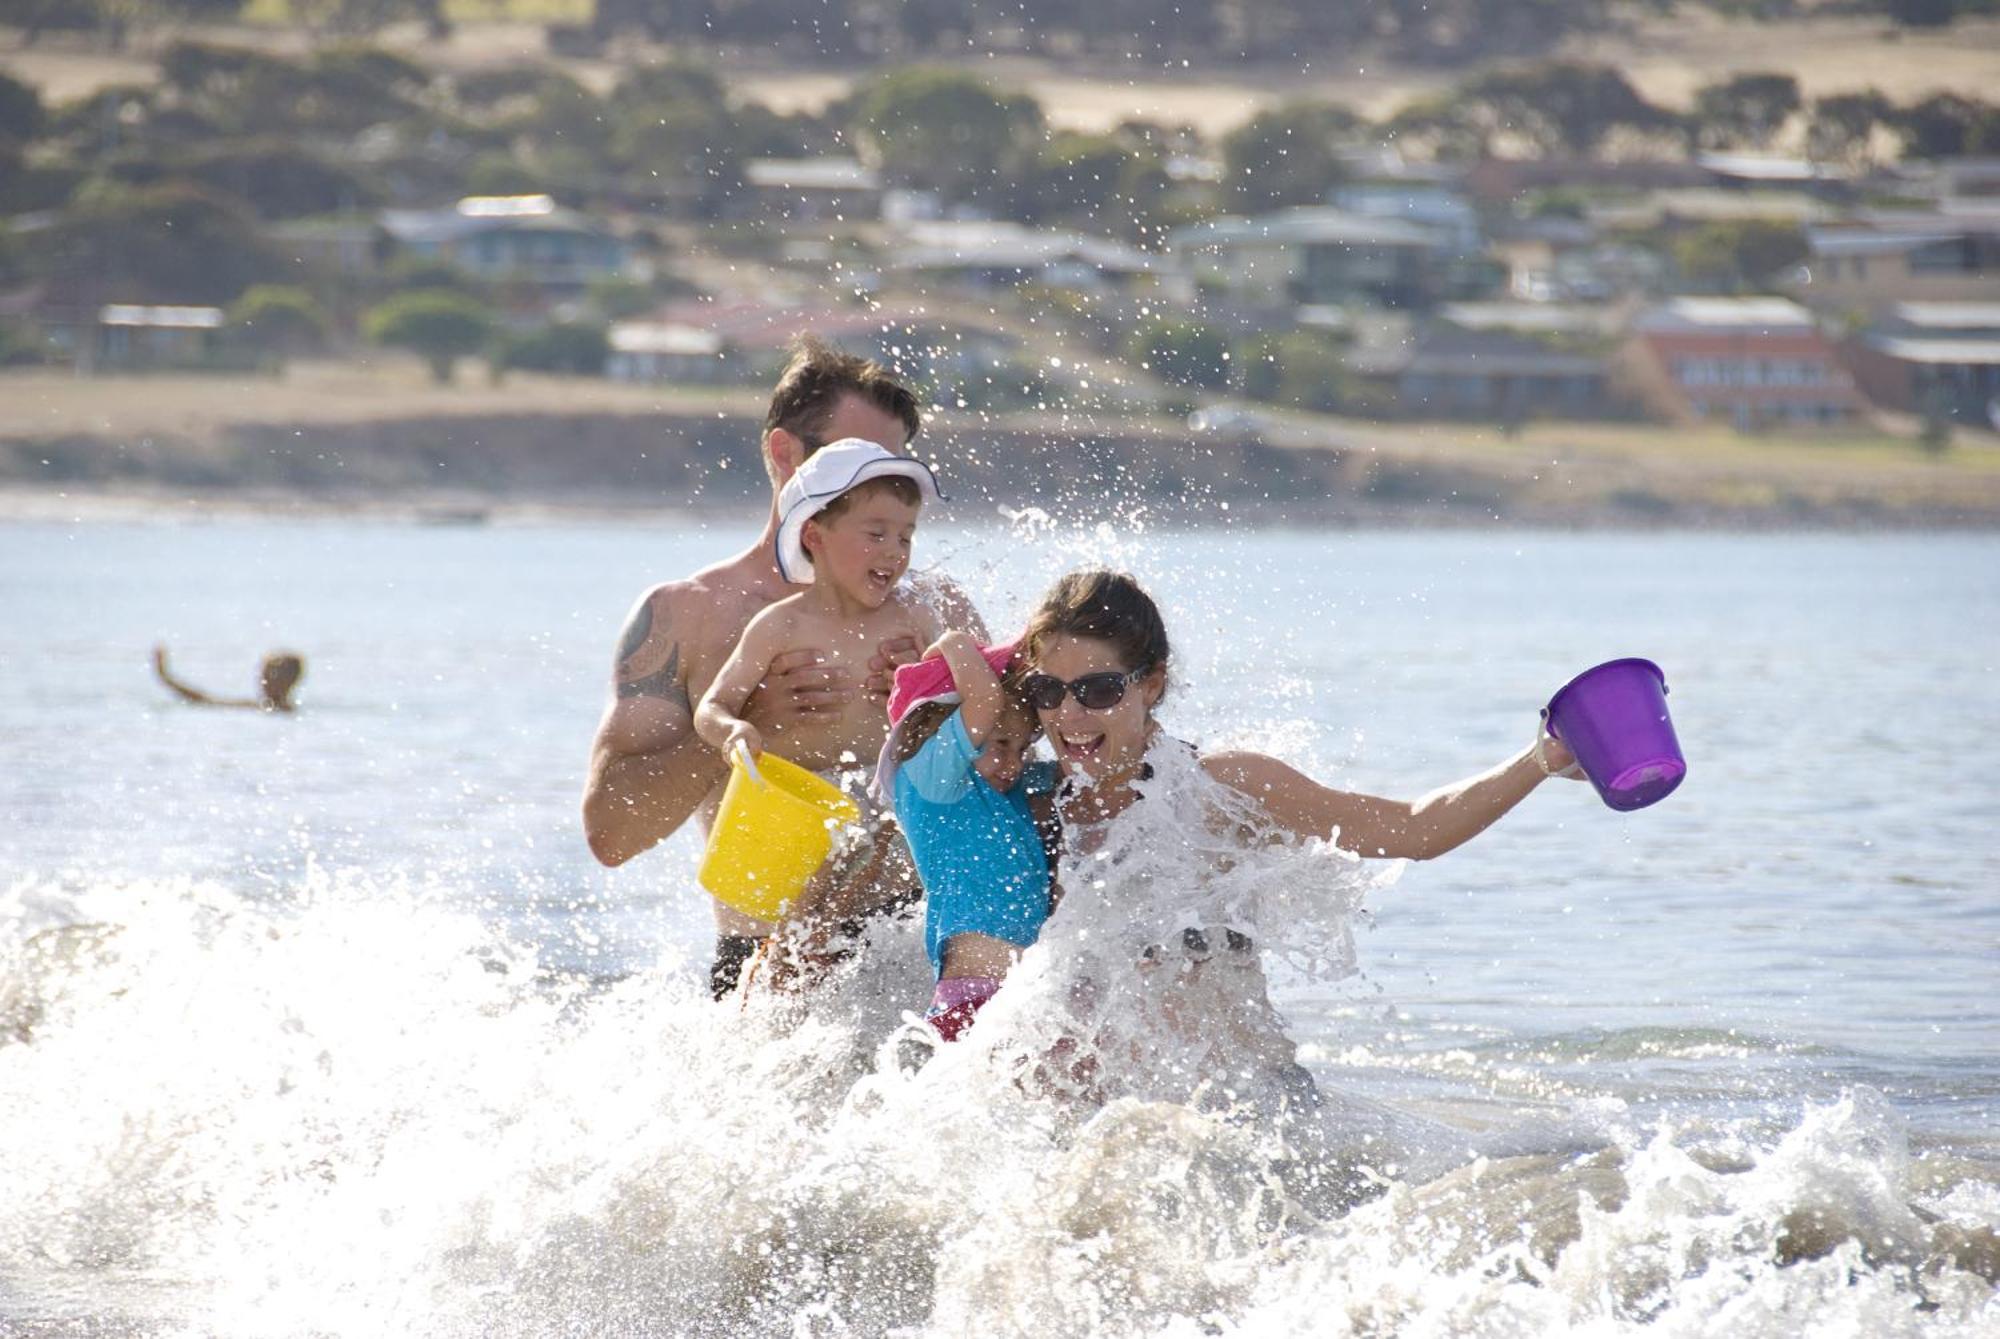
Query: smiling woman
(1100, 654)
(1100, 657)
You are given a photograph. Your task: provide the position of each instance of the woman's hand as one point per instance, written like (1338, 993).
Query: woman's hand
(1554, 756)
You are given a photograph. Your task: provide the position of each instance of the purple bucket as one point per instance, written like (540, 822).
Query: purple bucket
(1613, 717)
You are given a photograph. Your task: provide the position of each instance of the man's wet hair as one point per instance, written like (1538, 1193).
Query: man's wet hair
(814, 382)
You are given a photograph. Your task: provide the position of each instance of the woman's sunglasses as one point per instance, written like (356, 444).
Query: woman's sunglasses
(1093, 692)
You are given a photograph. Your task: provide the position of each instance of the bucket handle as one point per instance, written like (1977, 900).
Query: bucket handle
(749, 764)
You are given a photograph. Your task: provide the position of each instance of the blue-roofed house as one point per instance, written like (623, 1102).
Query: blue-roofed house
(527, 237)
(1318, 255)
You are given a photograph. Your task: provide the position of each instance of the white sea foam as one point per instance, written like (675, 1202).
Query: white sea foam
(348, 1109)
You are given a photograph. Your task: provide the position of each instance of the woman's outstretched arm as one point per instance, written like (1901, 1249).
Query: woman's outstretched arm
(1367, 825)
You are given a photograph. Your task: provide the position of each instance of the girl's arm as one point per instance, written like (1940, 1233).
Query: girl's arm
(1395, 829)
(717, 719)
(979, 696)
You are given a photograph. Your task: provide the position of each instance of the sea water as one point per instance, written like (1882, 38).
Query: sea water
(329, 1025)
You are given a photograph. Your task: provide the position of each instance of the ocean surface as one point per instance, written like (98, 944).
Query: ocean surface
(329, 1024)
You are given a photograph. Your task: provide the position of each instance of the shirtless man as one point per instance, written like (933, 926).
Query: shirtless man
(649, 771)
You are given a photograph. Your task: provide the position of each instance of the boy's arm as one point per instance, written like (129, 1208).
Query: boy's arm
(979, 695)
(717, 719)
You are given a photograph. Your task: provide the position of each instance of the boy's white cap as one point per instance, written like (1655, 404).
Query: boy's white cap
(825, 475)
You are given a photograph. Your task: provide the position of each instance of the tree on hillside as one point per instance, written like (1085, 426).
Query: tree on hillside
(1841, 127)
(1924, 13)
(409, 273)
(341, 90)
(948, 131)
(21, 115)
(1748, 110)
(172, 242)
(1440, 127)
(1457, 30)
(1301, 368)
(576, 348)
(279, 319)
(1099, 179)
(1287, 155)
(1738, 255)
(1947, 125)
(1559, 106)
(356, 18)
(440, 327)
(670, 126)
(1187, 353)
(116, 20)
(278, 178)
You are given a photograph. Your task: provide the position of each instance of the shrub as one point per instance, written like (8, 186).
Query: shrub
(576, 348)
(441, 327)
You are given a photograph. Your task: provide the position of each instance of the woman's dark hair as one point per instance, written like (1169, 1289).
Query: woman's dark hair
(1108, 606)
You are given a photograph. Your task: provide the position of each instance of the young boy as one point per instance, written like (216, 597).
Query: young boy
(846, 520)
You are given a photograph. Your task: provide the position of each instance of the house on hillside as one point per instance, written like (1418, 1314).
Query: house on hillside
(1506, 184)
(748, 342)
(134, 338)
(1316, 255)
(977, 253)
(811, 190)
(677, 353)
(523, 237)
(1925, 357)
(1499, 375)
(1752, 362)
(1764, 172)
(1881, 257)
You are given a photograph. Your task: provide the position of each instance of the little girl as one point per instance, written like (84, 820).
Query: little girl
(956, 771)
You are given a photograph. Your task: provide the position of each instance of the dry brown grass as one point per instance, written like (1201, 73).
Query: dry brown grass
(54, 404)
(1667, 58)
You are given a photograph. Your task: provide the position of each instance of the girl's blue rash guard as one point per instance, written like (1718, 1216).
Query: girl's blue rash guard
(976, 848)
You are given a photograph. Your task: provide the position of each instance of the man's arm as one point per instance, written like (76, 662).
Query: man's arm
(648, 769)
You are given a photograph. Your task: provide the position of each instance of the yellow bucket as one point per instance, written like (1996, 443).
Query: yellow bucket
(774, 828)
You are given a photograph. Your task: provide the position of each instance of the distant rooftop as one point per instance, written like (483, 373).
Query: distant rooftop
(1308, 225)
(1767, 167)
(1750, 314)
(506, 206)
(1539, 317)
(162, 318)
(1000, 245)
(1948, 352)
(484, 213)
(1948, 315)
(812, 174)
(664, 338)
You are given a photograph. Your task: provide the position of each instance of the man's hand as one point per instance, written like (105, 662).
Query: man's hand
(797, 687)
(882, 665)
